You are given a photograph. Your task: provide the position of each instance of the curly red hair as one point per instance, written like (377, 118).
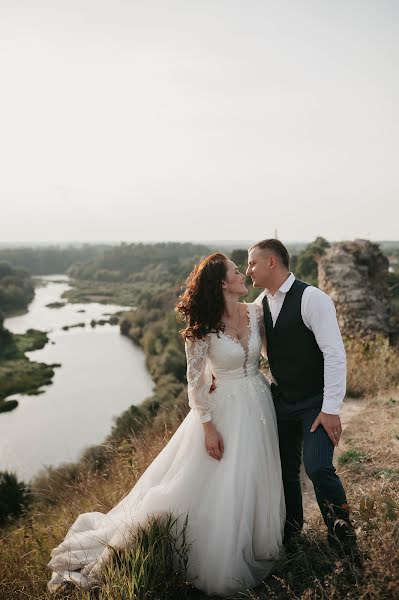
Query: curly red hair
(202, 303)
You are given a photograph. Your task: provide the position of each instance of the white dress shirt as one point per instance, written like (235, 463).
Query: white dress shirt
(318, 314)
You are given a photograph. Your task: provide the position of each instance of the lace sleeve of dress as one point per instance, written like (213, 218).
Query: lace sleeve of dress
(199, 377)
(261, 326)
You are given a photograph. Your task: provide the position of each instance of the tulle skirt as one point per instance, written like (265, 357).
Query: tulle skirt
(235, 507)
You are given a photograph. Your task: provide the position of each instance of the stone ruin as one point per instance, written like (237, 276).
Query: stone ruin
(354, 274)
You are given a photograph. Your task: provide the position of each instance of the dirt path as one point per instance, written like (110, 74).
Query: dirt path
(350, 409)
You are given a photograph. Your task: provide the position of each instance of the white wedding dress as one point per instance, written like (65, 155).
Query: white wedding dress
(235, 507)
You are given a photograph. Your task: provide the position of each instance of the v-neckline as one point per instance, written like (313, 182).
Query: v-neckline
(249, 337)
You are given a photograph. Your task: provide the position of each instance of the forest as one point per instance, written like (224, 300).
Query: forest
(16, 288)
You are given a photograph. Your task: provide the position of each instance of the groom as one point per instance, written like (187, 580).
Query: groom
(307, 361)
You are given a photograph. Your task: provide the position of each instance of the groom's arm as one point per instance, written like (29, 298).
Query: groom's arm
(319, 315)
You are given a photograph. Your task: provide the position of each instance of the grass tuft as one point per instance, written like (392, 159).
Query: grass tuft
(353, 456)
(155, 566)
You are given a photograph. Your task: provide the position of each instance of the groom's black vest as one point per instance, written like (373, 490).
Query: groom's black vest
(295, 359)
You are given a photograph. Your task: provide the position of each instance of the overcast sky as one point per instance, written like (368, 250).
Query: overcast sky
(198, 119)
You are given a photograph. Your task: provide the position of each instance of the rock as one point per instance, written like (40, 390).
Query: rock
(355, 275)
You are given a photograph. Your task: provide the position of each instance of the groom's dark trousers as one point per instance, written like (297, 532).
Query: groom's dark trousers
(295, 438)
(297, 365)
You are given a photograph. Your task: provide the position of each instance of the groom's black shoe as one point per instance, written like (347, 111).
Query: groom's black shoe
(292, 541)
(291, 532)
(341, 535)
(343, 541)
(346, 548)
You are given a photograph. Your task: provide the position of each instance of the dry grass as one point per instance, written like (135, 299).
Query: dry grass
(62, 494)
(373, 366)
(370, 472)
(369, 468)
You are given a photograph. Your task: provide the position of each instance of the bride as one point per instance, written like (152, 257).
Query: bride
(221, 467)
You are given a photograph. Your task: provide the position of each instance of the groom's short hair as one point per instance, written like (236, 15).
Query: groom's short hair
(275, 247)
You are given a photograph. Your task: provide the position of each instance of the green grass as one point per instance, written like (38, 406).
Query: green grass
(31, 340)
(391, 402)
(154, 567)
(124, 294)
(387, 472)
(353, 456)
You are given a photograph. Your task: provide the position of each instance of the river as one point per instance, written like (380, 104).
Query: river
(102, 373)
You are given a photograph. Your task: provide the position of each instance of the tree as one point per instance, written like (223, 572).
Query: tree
(13, 497)
(5, 268)
(307, 261)
(240, 258)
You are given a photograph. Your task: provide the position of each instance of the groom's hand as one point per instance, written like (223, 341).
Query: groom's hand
(213, 385)
(332, 425)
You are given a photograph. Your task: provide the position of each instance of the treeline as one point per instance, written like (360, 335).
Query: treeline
(160, 263)
(49, 260)
(16, 288)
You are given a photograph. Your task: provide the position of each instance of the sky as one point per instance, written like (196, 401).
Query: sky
(139, 120)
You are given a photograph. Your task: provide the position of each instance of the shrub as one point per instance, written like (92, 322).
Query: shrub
(14, 497)
(5, 268)
(97, 458)
(130, 421)
(7, 405)
(49, 484)
(372, 365)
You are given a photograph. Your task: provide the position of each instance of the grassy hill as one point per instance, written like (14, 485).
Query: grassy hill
(369, 468)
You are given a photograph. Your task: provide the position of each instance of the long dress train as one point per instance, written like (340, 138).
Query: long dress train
(235, 507)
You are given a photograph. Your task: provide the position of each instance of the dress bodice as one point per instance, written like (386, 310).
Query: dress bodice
(229, 358)
(224, 357)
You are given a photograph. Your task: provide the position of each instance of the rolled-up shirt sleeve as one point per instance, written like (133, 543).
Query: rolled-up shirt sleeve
(199, 377)
(319, 315)
(261, 326)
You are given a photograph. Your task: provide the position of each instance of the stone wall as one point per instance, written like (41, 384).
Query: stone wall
(354, 275)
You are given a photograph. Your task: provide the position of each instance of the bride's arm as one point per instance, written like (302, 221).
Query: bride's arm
(199, 377)
(199, 380)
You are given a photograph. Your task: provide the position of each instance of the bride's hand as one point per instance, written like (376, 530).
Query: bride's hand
(213, 441)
